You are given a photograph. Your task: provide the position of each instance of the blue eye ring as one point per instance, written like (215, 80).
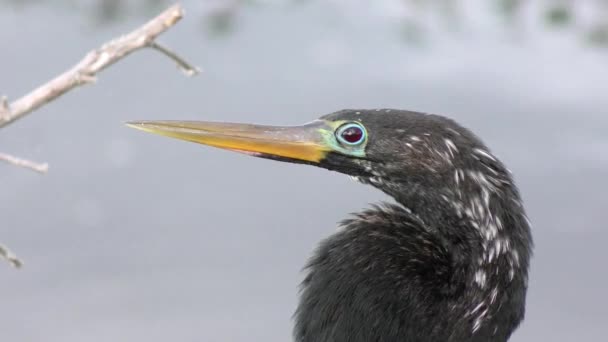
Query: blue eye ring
(351, 134)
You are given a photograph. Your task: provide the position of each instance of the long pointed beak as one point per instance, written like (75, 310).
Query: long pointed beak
(299, 143)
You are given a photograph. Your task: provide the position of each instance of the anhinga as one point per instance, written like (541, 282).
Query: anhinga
(448, 261)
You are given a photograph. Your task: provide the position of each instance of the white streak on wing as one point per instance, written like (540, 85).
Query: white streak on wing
(451, 147)
(493, 295)
(480, 278)
(479, 319)
(472, 312)
(453, 131)
(515, 256)
(498, 222)
(484, 153)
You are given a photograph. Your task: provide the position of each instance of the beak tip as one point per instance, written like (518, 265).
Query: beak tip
(141, 125)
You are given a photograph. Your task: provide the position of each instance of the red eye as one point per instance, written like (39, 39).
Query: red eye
(351, 134)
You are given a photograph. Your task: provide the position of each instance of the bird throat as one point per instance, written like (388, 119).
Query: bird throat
(486, 230)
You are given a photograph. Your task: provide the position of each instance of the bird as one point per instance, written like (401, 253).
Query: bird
(446, 259)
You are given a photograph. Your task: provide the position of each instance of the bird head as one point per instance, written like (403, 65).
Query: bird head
(393, 150)
(441, 174)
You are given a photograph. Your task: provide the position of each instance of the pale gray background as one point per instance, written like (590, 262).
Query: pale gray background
(133, 237)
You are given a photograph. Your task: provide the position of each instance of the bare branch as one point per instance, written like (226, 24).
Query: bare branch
(34, 166)
(6, 253)
(187, 68)
(4, 104)
(86, 70)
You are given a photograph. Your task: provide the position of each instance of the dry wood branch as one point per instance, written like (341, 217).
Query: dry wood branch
(85, 72)
(28, 164)
(10, 257)
(186, 67)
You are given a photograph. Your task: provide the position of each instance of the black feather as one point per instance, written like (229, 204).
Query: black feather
(447, 262)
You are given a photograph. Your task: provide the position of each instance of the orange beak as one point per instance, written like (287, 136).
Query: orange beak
(305, 143)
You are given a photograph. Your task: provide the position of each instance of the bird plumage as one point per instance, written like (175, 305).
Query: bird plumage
(446, 261)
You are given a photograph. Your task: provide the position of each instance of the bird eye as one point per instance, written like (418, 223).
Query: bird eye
(351, 134)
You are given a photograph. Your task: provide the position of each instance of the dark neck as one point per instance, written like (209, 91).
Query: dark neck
(474, 209)
(488, 236)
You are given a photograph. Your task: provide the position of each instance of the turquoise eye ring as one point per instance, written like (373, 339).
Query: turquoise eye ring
(351, 134)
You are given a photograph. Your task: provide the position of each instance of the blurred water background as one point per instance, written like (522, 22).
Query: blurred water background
(132, 237)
